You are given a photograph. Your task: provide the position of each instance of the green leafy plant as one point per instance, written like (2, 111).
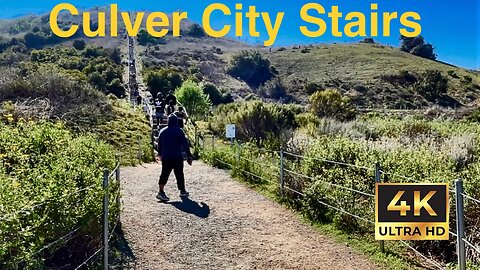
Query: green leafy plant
(192, 97)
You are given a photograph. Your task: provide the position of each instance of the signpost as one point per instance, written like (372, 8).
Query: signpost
(230, 131)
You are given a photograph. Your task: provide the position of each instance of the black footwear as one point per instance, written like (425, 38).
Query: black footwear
(184, 194)
(163, 197)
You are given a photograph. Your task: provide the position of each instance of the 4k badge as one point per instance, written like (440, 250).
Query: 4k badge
(405, 211)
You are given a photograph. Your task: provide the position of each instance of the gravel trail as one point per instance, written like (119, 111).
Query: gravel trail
(224, 225)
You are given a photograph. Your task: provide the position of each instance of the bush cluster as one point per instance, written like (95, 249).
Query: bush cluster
(256, 121)
(330, 103)
(100, 67)
(417, 46)
(44, 162)
(162, 80)
(191, 96)
(251, 67)
(215, 95)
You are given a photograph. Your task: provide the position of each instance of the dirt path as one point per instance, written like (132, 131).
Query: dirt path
(224, 225)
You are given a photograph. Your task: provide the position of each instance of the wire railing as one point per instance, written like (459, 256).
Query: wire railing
(27, 209)
(63, 240)
(329, 183)
(330, 161)
(283, 186)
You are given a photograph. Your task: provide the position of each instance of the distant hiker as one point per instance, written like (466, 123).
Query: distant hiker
(160, 96)
(171, 97)
(172, 143)
(170, 107)
(182, 116)
(159, 110)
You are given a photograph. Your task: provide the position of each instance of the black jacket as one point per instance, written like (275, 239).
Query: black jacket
(172, 141)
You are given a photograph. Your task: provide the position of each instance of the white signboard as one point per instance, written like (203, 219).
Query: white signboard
(230, 130)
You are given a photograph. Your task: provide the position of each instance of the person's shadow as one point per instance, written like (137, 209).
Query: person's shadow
(200, 210)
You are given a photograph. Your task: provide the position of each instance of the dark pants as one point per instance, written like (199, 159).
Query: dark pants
(177, 167)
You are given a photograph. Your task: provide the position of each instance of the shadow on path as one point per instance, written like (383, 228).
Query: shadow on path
(200, 210)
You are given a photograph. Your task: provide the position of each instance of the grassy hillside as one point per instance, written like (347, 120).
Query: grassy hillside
(350, 66)
(373, 75)
(39, 24)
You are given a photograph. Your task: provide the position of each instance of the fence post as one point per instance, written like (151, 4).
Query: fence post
(105, 219)
(378, 180)
(197, 144)
(117, 176)
(282, 178)
(239, 152)
(139, 149)
(460, 224)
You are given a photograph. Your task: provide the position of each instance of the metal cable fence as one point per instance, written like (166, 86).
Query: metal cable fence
(62, 241)
(352, 196)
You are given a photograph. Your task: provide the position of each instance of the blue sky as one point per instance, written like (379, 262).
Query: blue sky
(452, 27)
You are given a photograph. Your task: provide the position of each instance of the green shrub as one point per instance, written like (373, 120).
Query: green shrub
(466, 80)
(418, 47)
(274, 89)
(35, 40)
(163, 80)
(195, 30)
(368, 40)
(305, 50)
(44, 162)
(192, 97)
(312, 87)
(432, 84)
(403, 78)
(79, 44)
(251, 67)
(213, 93)
(452, 74)
(330, 103)
(256, 121)
(144, 38)
(227, 98)
(68, 99)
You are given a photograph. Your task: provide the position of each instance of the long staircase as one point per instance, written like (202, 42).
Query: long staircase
(140, 97)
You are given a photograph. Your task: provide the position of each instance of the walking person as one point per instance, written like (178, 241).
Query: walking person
(182, 116)
(159, 110)
(170, 107)
(171, 98)
(172, 142)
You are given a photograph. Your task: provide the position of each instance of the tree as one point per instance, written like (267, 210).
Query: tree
(251, 67)
(145, 38)
(79, 44)
(116, 56)
(418, 47)
(330, 103)
(35, 40)
(192, 97)
(116, 87)
(195, 30)
(97, 80)
(368, 40)
(164, 80)
(213, 93)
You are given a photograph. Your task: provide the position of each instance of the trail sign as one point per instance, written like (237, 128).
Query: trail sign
(230, 131)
